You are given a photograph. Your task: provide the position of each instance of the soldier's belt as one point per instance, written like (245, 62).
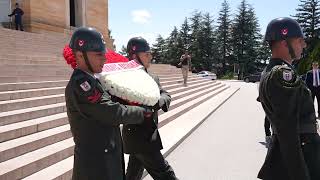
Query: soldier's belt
(304, 128)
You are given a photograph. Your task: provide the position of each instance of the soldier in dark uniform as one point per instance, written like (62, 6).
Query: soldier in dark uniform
(294, 153)
(93, 117)
(17, 13)
(143, 141)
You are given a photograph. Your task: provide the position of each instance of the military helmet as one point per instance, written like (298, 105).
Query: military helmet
(136, 45)
(87, 39)
(283, 28)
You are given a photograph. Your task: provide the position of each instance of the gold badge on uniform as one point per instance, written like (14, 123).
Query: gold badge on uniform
(85, 86)
(287, 75)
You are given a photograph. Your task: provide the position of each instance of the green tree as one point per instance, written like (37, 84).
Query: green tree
(206, 40)
(308, 16)
(173, 51)
(123, 51)
(194, 48)
(159, 50)
(246, 38)
(224, 36)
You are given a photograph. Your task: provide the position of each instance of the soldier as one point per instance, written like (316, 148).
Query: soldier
(185, 62)
(143, 141)
(294, 153)
(17, 13)
(93, 117)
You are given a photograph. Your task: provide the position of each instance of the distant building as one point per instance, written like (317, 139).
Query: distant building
(60, 16)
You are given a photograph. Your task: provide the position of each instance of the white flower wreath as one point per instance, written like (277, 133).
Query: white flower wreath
(130, 82)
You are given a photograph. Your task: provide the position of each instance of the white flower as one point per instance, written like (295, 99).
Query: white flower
(134, 85)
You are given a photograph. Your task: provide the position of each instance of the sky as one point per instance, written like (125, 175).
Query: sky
(149, 18)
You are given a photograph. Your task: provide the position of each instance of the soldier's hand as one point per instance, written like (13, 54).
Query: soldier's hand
(159, 105)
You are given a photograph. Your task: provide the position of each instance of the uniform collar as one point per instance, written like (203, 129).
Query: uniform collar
(278, 61)
(81, 71)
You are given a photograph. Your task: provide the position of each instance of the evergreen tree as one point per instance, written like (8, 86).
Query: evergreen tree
(159, 50)
(207, 43)
(224, 36)
(123, 51)
(173, 51)
(184, 38)
(308, 16)
(246, 38)
(194, 48)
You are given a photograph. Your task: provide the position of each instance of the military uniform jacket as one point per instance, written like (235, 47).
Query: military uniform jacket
(288, 105)
(94, 121)
(145, 137)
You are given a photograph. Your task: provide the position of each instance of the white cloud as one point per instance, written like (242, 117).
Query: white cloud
(150, 37)
(122, 41)
(141, 16)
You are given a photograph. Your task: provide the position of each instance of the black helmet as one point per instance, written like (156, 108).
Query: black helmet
(283, 28)
(87, 39)
(136, 45)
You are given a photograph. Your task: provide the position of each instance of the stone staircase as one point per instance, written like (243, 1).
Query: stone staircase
(35, 138)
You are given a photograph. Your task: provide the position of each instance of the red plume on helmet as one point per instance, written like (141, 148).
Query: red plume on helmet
(111, 57)
(69, 56)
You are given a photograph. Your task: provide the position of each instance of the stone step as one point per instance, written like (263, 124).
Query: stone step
(23, 34)
(19, 146)
(59, 171)
(191, 94)
(16, 104)
(18, 130)
(10, 79)
(28, 93)
(176, 76)
(31, 62)
(15, 116)
(34, 161)
(187, 123)
(23, 127)
(10, 105)
(166, 71)
(43, 77)
(175, 81)
(35, 72)
(183, 88)
(45, 84)
(193, 90)
(31, 85)
(190, 83)
(30, 57)
(31, 67)
(187, 106)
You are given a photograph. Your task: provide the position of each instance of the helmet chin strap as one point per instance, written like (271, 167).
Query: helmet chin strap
(139, 60)
(87, 61)
(291, 50)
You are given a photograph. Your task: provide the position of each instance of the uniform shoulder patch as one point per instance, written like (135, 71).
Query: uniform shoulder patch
(85, 86)
(286, 75)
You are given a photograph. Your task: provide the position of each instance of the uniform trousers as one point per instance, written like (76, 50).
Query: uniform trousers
(185, 69)
(153, 162)
(315, 92)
